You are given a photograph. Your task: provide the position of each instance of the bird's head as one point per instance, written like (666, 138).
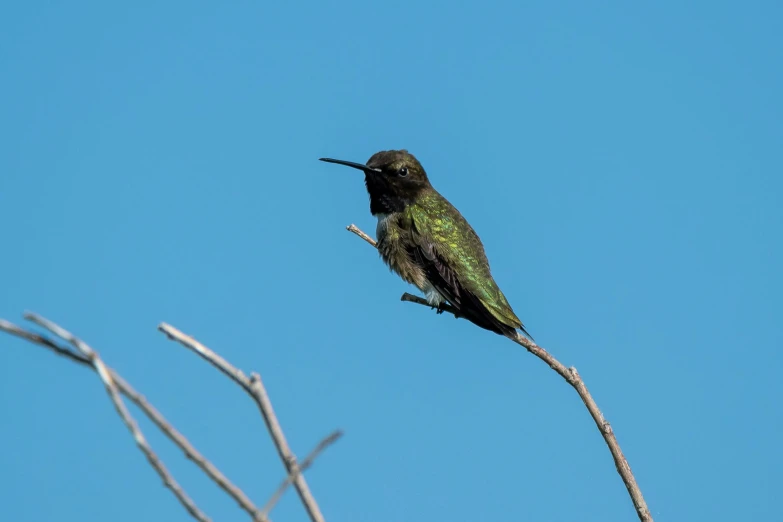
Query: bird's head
(394, 179)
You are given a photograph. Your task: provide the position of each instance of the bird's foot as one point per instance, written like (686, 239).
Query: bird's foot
(438, 308)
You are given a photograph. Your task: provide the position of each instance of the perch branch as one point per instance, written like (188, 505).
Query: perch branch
(154, 415)
(254, 387)
(107, 377)
(353, 228)
(572, 377)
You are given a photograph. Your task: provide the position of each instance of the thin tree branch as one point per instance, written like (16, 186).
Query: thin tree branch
(254, 387)
(445, 307)
(306, 463)
(192, 453)
(106, 376)
(154, 415)
(353, 228)
(572, 377)
(35, 338)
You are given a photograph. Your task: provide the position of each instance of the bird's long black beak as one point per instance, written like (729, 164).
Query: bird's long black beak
(350, 164)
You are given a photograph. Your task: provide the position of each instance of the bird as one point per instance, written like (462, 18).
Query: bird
(427, 242)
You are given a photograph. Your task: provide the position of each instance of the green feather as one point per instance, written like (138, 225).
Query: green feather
(440, 227)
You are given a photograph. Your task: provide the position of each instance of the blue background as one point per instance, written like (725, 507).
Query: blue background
(621, 162)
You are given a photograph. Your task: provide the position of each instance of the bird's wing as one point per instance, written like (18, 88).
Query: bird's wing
(457, 267)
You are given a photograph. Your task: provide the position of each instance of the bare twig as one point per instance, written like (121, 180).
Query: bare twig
(310, 458)
(353, 228)
(305, 464)
(419, 300)
(155, 416)
(572, 377)
(43, 341)
(191, 452)
(106, 376)
(255, 388)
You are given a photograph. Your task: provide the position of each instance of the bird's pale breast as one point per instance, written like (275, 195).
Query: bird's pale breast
(392, 241)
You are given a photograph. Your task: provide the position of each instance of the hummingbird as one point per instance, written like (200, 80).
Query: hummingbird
(426, 241)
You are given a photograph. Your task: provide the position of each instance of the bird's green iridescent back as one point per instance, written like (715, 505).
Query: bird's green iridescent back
(438, 224)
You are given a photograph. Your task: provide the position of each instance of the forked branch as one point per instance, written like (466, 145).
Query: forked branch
(255, 388)
(115, 385)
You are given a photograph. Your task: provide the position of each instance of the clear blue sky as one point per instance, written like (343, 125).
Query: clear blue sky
(621, 162)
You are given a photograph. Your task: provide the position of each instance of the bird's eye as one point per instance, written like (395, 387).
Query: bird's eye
(402, 172)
